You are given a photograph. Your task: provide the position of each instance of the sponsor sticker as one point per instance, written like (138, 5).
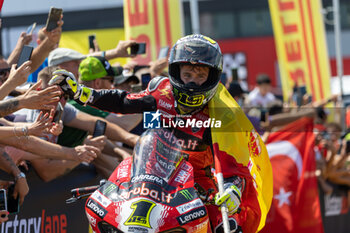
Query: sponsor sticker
(192, 215)
(96, 208)
(189, 206)
(100, 198)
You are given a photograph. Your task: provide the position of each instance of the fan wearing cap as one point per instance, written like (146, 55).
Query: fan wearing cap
(96, 72)
(125, 81)
(195, 66)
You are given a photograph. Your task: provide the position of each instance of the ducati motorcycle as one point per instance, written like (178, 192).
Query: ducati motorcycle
(152, 191)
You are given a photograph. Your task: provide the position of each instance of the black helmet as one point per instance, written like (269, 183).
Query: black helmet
(195, 50)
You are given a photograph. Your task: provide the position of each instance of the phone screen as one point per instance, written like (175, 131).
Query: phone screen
(100, 128)
(12, 203)
(25, 55)
(53, 18)
(58, 113)
(145, 78)
(91, 41)
(3, 202)
(31, 28)
(163, 52)
(138, 48)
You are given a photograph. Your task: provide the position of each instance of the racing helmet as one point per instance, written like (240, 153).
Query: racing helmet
(195, 50)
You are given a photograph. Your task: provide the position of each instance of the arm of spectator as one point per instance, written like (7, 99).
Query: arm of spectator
(105, 165)
(286, 118)
(38, 128)
(46, 46)
(24, 39)
(157, 67)
(21, 186)
(120, 51)
(56, 128)
(45, 149)
(127, 122)
(87, 122)
(16, 77)
(323, 102)
(32, 99)
(98, 142)
(49, 169)
(122, 152)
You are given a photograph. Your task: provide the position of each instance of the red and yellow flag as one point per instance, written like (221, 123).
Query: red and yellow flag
(301, 46)
(237, 137)
(156, 22)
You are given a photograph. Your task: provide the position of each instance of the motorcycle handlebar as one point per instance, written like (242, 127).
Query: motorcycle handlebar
(84, 190)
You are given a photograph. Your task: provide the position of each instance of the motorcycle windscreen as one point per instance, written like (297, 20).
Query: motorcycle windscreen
(157, 153)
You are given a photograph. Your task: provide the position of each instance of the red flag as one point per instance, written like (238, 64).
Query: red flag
(295, 205)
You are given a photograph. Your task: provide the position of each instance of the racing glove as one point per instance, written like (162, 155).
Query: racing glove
(231, 196)
(70, 86)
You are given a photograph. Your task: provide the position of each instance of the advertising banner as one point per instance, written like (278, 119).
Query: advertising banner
(156, 22)
(44, 209)
(301, 46)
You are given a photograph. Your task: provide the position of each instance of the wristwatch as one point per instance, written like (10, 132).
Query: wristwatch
(20, 175)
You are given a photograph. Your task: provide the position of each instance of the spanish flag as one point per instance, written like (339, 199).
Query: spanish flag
(237, 143)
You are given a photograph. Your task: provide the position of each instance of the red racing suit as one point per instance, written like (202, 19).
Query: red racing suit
(196, 142)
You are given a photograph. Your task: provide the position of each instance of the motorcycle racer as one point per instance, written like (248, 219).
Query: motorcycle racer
(195, 66)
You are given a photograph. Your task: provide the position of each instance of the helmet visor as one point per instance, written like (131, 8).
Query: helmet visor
(197, 52)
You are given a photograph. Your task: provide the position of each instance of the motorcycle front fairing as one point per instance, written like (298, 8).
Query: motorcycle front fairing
(153, 191)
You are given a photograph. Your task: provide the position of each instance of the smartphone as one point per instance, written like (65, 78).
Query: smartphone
(3, 200)
(138, 48)
(145, 78)
(12, 203)
(52, 19)
(263, 113)
(234, 74)
(163, 52)
(91, 41)
(25, 55)
(31, 28)
(347, 147)
(58, 113)
(100, 128)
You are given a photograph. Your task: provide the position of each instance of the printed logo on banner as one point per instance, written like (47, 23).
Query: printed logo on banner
(35, 224)
(96, 208)
(191, 216)
(104, 201)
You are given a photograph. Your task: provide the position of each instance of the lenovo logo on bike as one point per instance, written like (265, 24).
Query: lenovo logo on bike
(96, 208)
(191, 216)
(189, 206)
(152, 120)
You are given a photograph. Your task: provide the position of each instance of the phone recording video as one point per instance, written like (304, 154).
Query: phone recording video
(52, 19)
(263, 114)
(25, 55)
(31, 28)
(12, 203)
(91, 41)
(145, 78)
(138, 48)
(3, 201)
(58, 113)
(163, 52)
(100, 128)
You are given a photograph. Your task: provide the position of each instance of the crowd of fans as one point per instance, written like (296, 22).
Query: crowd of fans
(53, 148)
